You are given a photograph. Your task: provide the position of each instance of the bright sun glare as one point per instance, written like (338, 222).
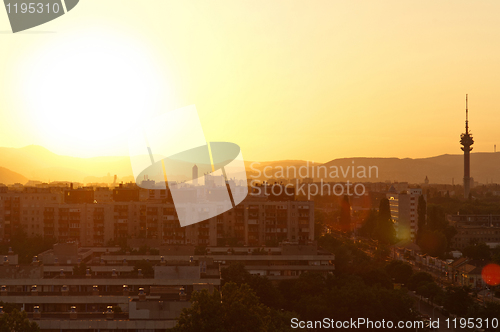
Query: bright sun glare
(85, 89)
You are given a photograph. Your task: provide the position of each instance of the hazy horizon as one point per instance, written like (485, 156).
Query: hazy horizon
(282, 79)
(37, 163)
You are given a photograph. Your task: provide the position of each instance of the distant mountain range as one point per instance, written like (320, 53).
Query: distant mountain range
(9, 177)
(444, 169)
(37, 163)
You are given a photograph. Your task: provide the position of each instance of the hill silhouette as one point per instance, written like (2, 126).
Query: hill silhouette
(38, 163)
(9, 177)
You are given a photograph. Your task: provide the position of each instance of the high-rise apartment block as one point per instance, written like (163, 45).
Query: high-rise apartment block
(93, 217)
(404, 212)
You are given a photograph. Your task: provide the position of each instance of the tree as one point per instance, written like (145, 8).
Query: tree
(384, 231)
(419, 279)
(235, 309)
(457, 300)
(236, 273)
(433, 243)
(429, 290)
(319, 223)
(479, 251)
(489, 311)
(27, 247)
(17, 321)
(345, 215)
(436, 218)
(369, 225)
(379, 277)
(400, 271)
(264, 289)
(422, 215)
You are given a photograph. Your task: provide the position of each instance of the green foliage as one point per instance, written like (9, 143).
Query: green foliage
(422, 215)
(17, 321)
(384, 231)
(319, 223)
(236, 309)
(382, 253)
(9, 307)
(26, 247)
(345, 214)
(369, 225)
(429, 290)
(433, 243)
(496, 257)
(477, 251)
(377, 277)
(436, 218)
(489, 311)
(264, 289)
(315, 297)
(457, 300)
(435, 234)
(400, 271)
(419, 279)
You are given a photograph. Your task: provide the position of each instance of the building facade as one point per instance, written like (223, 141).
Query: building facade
(404, 212)
(93, 218)
(475, 228)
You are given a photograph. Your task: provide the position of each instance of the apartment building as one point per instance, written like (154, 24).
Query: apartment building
(475, 228)
(114, 294)
(95, 217)
(404, 211)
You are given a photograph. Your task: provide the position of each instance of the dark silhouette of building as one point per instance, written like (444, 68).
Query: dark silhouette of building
(126, 194)
(195, 175)
(78, 196)
(467, 141)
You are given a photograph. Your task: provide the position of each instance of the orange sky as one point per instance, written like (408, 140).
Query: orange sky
(284, 79)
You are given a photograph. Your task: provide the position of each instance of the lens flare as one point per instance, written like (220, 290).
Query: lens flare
(491, 274)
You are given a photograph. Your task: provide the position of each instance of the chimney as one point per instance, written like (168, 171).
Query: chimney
(182, 294)
(72, 313)
(110, 315)
(36, 312)
(142, 295)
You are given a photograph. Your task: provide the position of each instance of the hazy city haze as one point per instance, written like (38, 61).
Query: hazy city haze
(285, 79)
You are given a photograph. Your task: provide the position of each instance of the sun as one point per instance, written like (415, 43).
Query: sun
(83, 89)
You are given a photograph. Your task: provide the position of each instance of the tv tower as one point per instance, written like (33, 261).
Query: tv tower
(466, 140)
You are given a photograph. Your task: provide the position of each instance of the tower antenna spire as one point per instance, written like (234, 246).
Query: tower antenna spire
(466, 141)
(466, 113)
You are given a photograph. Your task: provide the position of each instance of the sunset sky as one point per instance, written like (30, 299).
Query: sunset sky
(284, 79)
